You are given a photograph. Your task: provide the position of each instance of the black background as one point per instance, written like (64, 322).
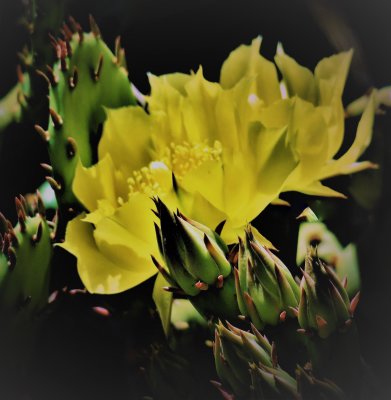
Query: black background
(167, 35)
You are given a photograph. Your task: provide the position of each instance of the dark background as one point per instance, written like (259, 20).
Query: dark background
(167, 35)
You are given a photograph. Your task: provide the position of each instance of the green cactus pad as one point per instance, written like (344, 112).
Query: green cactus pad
(26, 251)
(86, 78)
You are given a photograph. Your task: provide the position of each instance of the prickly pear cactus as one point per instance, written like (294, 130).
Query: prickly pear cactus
(26, 251)
(86, 78)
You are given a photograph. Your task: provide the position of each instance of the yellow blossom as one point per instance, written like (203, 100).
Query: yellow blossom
(217, 151)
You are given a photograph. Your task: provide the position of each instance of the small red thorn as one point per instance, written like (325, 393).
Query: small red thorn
(63, 55)
(104, 312)
(42, 132)
(295, 311)
(56, 118)
(53, 297)
(225, 395)
(283, 316)
(43, 75)
(73, 80)
(53, 183)
(354, 304)
(12, 236)
(220, 281)
(52, 76)
(345, 282)
(40, 205)
(98, 68)
(22, 222)
(6, 243)
(94, 27)
(348, 323)
(19, 74)
(47, 167)
(67, 31)
(38, 234)
(3, 222)
(201, 285)
(119, 51)
(20, 208)
(76, 27)
(56, 46)
(320, 321)
(73, 292)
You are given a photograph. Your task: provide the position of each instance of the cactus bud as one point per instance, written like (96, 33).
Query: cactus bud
(197, 262)
(266, 290)
(324, 304)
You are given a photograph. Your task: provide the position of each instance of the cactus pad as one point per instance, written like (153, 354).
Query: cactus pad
(86, 78)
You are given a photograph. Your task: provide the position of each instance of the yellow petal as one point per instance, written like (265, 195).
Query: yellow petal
(105, 209)
(280, 202)
(334, 116)
(198, 109)
(275, 159)
(317, 189)
(334, 71)
(227, 130)
(131, 225)
(361, 142)
(100, 181)
(127, 138)
(309, 140)
(104, 269)
(246, 62)
(167, 97)
(299, 80)
(208, 181)
(276, 115)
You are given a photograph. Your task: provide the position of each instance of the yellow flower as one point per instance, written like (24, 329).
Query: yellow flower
(217, 151)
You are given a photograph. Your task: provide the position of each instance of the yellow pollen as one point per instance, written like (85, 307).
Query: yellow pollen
(179, 159)
(185, 157)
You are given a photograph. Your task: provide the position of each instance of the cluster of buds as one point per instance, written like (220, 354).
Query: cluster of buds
(248, 283)
(197, 262)
(247, 363)
(266, 290)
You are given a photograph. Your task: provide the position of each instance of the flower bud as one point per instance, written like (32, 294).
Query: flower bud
(266, 290)
(324, 303)
(197, 263)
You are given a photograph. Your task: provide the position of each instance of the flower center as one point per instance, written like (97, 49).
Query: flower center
(184, 158)
(179, 159)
